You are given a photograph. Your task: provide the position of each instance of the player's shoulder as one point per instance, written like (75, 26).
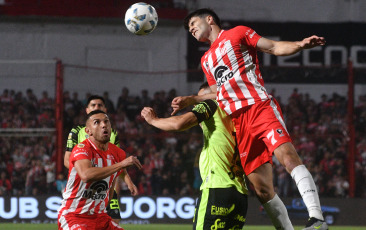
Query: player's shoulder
(241, 28)
(114, 132)
(115, 149)
(77, 128)
(205, 110)
(82, 146)
(207, 104)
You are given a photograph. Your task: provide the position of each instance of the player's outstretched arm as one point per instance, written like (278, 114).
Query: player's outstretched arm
(285, 48)
(175, 123)
(66, 158)
(182, 102)
(88, 173)
(131, 186)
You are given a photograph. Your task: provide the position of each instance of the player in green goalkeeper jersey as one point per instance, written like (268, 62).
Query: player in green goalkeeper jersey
(223, 201)
(78, 134)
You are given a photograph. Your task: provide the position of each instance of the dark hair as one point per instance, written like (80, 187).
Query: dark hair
(204, 86)
(95, 97)
(201, 13)
(93, 113)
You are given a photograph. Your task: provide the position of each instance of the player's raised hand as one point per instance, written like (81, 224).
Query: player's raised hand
(181, 102)
(313, 41)
(131, 160)
(148, 114)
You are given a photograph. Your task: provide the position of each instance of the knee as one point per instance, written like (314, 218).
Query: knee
(264, 194)
(288, 157)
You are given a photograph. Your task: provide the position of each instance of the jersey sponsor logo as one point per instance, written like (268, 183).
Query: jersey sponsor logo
(252, 34)
(248, 31)
(244, 154)
(221, 75)
(218, 224)
(77, 154)
(240, 218)
(221, 211)
(96, 191)
(78, 226)
(80, 145)
(110, 157)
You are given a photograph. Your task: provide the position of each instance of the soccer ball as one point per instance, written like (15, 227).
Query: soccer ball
(141, 18)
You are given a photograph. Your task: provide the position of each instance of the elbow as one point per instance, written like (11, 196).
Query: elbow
(178, 126)
(85, 178)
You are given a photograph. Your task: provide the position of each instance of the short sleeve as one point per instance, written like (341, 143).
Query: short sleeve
(248, 35)
(204, 110)
(80, 152)
(72, 138)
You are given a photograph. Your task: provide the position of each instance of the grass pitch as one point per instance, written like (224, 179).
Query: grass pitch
(155, 227)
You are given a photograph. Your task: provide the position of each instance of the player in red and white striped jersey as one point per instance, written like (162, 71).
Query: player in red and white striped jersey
(232, 71)
(94, 165)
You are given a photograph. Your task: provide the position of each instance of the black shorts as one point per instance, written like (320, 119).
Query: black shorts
(113, 209)
(220, 208)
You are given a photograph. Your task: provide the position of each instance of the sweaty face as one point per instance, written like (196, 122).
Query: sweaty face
(96, 104)
(199, 28)
(99, 127)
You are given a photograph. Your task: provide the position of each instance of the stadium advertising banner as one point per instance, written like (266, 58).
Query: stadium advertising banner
(134, 210)
(343, 41)
(178, 210)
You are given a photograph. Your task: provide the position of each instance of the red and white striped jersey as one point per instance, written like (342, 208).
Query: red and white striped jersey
(232, 64)
(89, 198)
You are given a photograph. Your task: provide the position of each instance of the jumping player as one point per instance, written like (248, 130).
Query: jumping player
(94, 165)
(232, 71)
(78, 134)
(223, 199)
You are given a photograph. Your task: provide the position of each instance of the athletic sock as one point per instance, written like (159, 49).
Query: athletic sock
(277, 212)
(305, 184)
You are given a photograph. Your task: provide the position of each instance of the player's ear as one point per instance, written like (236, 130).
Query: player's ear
(88, 131)
(209, 20)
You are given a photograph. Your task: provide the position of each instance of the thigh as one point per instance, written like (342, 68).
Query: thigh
(253, 151)
(105, 222)
(220, 208)
(76, 223)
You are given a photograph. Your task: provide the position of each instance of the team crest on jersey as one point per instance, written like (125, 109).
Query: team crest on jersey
(206, 64)
(70, 136)
(81, 145)
(279, 131)
(86, 136)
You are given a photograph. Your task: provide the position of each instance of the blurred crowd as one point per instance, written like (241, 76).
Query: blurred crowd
(170, 160)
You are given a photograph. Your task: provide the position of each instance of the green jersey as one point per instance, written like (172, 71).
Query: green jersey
(219, 161)
(78, 134)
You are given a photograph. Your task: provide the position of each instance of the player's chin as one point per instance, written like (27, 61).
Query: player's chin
(106, 138)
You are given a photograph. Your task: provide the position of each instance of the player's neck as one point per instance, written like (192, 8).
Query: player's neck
(100, 145)
(214, 34)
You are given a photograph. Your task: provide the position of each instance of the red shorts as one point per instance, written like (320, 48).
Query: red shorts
(87, 222)
(260, 129)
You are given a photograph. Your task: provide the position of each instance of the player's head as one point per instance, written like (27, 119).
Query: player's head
(98, 126)
(95, 102)
(204, 89)
(198, 23)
